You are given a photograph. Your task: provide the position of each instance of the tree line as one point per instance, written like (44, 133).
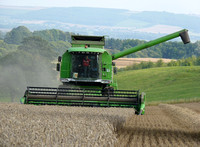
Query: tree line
(190, 61)
(170, 50)
(60, 41)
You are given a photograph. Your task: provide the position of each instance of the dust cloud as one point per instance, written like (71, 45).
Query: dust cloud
(15, 77)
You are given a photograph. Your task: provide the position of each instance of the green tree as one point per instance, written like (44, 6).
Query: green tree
(197, 49)
(150, 64)
(53, 35)
(60, 46)
(16, 35)
(6, 48)
(1, 35)
(172, 63)
(160, 63)
(198, 61)
(37, 45)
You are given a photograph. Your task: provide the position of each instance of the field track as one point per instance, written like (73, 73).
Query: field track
(193, 106)
(163, 125)
(123, 62)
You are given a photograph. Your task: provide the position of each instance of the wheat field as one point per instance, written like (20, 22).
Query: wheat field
(163, 125)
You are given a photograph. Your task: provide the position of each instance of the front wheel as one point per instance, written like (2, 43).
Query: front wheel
(141, 112)
(107, 91)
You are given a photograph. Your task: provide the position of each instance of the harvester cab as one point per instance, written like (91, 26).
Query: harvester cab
(86, 64)
(86, 71)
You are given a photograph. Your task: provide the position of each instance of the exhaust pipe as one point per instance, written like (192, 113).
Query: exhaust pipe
(185, 37)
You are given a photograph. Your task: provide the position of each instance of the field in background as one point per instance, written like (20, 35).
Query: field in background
(123, 62)
(164, 84)
(163, 125)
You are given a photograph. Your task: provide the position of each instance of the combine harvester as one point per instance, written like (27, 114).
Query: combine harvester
(86, 71)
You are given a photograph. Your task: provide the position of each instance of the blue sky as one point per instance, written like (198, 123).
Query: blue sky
(175, 6)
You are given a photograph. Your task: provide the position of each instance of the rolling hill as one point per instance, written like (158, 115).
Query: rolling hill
(118, 23)
(163, 84)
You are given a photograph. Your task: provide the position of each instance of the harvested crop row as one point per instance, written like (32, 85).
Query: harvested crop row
(193, 106)
(187, 117)
(159, 128)
(28, 125)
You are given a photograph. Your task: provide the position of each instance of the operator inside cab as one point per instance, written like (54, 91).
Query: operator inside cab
(85, 66)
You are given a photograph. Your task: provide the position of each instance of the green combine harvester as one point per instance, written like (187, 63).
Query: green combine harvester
(86, 71)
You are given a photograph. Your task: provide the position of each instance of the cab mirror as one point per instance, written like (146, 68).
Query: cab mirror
(58, 67)
(59, 58)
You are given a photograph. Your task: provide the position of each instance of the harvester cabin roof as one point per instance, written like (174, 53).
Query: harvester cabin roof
(88, 40)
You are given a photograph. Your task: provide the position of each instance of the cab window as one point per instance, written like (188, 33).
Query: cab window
(85, 66)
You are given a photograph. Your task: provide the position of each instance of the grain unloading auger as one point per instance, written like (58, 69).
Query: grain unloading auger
(86, 71)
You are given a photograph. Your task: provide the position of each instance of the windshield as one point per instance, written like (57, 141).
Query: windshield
(85, 66)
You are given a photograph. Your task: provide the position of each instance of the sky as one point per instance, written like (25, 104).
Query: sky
(174, 6)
